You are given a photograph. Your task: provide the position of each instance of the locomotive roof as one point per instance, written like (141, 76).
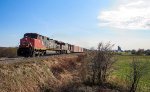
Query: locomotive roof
(31, 33)
(59, 42)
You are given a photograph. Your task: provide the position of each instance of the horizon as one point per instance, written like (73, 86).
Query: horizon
(84, 23)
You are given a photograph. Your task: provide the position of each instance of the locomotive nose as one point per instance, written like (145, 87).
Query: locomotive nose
(26, 42)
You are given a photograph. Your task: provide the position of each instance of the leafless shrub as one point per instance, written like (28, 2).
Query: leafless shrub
(98, 64)
(102, 62)
(138, 69)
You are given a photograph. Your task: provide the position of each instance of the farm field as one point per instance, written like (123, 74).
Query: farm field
(120, 75)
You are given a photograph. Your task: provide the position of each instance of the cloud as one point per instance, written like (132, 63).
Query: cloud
(129, 14)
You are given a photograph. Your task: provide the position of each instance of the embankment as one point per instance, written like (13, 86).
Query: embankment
(51, 74)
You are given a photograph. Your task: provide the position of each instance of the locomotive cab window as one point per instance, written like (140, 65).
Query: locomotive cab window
(31, 35)
(42, 37)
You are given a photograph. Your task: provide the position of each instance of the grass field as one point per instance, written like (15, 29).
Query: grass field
(121, 71)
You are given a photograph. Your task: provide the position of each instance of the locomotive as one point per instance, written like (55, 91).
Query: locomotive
(33, 44)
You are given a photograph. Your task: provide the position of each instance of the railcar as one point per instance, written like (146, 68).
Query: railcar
(33, 44)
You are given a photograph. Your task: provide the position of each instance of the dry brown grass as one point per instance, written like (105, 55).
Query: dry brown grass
(8, 52)
(47, 75)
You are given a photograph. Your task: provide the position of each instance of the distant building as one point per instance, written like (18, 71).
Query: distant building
(119, 49)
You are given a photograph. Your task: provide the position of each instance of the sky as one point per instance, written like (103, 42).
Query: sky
(125, 23)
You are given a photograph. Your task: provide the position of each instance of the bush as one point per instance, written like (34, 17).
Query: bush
(99, 64)
(138, 69)
(8, 52)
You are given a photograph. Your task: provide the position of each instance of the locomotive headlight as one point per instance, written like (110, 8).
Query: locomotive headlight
(24, 42)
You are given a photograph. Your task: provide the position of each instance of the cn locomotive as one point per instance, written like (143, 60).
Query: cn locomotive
(33, 44)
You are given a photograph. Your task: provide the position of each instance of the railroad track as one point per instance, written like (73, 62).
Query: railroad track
(24, 59)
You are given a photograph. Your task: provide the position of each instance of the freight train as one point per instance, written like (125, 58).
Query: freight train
(33, 44)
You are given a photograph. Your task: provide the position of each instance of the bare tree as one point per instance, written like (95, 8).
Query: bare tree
(137, 71)
(102, 62)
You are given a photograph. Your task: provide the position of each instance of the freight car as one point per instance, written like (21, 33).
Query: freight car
(33, 44)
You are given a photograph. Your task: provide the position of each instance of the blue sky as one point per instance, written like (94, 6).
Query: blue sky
(79, 22)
